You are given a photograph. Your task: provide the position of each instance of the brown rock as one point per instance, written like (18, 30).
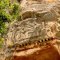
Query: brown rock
(45, 54)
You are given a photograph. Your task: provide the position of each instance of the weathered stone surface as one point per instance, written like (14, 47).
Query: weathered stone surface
(38, 19)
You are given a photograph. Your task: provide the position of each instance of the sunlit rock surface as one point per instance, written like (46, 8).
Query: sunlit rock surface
(38, 18)
(45, 54)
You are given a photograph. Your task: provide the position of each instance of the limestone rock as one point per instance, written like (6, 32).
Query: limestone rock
(38, 19)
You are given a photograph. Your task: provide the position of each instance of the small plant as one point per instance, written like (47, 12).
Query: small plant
(14, 10)
(1, 42)
(8, 13)
(5, 15)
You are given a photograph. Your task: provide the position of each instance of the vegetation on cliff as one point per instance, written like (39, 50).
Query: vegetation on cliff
(8, 13)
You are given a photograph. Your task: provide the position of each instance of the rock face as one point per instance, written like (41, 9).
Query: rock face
(38, 18)
(47, 54)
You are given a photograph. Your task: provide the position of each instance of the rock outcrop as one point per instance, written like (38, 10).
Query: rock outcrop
(39, 18)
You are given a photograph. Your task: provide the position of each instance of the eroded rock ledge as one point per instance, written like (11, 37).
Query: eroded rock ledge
(38, 19)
